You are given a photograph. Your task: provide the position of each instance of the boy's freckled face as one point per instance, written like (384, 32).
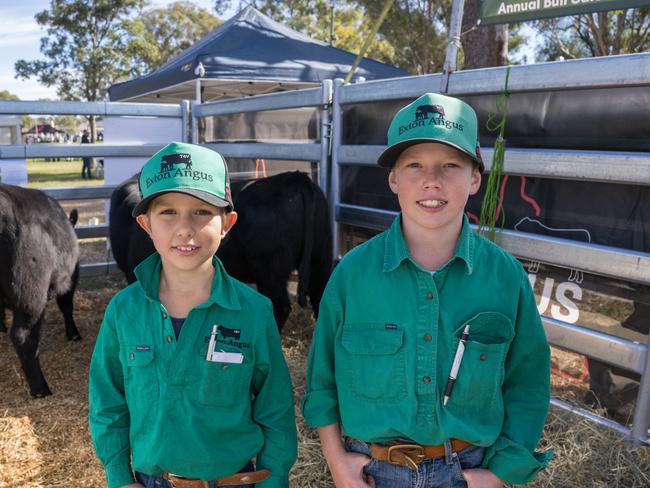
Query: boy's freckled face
(185, 231)
(433, 182)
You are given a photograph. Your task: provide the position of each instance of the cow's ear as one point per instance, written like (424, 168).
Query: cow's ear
(229, 220)
(144, 222)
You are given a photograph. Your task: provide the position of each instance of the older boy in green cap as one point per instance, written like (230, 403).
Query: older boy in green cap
(187, 380)
(429, 354)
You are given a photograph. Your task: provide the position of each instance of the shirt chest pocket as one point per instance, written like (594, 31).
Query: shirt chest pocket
(224, 384)
(373, 360)
(480, 376)
(141, 377)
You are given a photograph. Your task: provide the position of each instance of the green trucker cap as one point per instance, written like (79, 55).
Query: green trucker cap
(185, 168)
(433, 118)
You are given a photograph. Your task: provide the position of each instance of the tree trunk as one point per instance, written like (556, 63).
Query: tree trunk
(482, 46)
(92, 128)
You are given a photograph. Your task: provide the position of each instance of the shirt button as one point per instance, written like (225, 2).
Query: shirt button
(131, 356)
(224, 366)
(164, 315)
(170, 339)
(426, 379)
(483, 357)
(427, 337)
(429, 296)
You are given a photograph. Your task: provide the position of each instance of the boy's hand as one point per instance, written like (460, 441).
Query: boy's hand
(347, 471)
(346, 467)
(482, 478)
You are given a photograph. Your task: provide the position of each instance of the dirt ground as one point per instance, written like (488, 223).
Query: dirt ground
(46, 443)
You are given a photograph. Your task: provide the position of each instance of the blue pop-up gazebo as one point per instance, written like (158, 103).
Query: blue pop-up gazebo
(247, 55)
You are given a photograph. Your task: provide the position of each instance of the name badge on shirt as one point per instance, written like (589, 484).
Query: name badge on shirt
(227, 357)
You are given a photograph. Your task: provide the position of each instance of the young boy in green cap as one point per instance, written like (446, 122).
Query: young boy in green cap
(187, 380)
(423, 303)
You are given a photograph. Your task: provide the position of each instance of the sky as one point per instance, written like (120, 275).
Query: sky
(20, 39)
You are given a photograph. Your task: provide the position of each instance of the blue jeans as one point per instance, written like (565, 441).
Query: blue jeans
(152, 481)
(442, 472)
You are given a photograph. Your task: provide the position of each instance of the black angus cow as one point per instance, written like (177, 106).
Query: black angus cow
(39, 259)
(283, 225)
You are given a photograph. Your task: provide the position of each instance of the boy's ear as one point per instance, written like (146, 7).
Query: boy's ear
(392, 181)
(228, 221)
(476, 181)
(143, 221)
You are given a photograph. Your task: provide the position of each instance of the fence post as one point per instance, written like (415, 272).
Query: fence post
(334, 194)
(195, 124)
(325, 137)
(641, 421)
(453, 43)
(185, 121)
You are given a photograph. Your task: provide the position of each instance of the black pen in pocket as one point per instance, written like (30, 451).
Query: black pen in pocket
(456, 365)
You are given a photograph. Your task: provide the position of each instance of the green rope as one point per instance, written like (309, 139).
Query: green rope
(490, 205)
(369, 40)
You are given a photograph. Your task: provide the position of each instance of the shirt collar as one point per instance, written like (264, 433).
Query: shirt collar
(396, 250)
(223, 291)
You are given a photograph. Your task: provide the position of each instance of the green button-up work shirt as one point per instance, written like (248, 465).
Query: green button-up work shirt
(385, 341)
(162, 402)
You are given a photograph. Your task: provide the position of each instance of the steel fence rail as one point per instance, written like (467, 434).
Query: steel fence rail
(596, 166)
(295, 152)
(603, 72)
(592, 258)
(567, 407)
(310, 97)
(104, 109)
(627, 354)
(91, 231)
(80, 192)
(27, 151)
(98, 269)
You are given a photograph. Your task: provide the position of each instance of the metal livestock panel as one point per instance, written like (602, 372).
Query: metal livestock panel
(310, 97)
(596, 166)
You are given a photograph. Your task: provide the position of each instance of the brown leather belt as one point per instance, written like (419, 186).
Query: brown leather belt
(411, 455)
(250, 477)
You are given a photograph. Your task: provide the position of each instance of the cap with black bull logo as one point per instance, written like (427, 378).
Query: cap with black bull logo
(433, 118)
(185, 168)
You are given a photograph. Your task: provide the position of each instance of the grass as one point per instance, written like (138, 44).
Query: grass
(41, 173)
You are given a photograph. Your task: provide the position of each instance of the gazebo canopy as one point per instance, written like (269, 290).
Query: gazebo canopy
(247, 55)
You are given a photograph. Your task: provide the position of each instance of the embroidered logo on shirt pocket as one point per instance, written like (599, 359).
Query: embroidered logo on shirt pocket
(375, 362)
(478, 385)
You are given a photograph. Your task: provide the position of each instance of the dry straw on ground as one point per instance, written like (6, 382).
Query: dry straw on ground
(45, 443)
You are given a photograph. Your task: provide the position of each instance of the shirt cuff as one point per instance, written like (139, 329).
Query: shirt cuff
(119, 475)
(513, 463)
(321, 408)
(274, 482)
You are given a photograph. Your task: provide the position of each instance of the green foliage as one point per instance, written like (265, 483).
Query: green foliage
(417, 30)
(160, 34)
(597, 34)
(490, 205)
(84, 48)
(413, 36)
(313, 18)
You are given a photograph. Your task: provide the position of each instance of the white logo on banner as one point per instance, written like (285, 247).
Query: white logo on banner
(567, 311)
